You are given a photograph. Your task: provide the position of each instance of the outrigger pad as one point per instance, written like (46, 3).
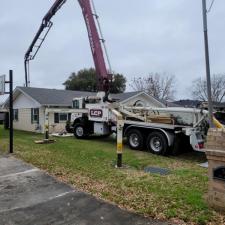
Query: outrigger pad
(45, 141)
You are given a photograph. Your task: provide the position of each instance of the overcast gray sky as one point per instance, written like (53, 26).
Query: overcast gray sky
(142, 36)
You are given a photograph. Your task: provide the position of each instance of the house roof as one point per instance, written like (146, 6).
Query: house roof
(124, 96)
(54, 97)
(168, 103)
(218, 105)
(196, 104)
(188, 103)
(46, 96)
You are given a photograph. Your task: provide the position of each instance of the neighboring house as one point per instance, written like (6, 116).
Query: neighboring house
(30, 105)
(217, 106)
(187, 103)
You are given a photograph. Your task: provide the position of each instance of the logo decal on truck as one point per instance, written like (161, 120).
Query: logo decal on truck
(96, 113)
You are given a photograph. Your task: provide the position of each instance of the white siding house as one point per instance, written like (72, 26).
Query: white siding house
(30, 105)
(28, 113)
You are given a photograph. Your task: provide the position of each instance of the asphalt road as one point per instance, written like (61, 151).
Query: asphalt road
(28, 196)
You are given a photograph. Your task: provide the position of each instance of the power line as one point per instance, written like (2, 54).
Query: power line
(212, 3)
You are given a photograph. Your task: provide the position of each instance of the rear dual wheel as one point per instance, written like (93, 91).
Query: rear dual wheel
(157, 143)
(135, 139)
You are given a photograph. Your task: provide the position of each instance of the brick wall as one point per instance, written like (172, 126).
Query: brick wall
(216, 194)
(215, 139)
(216, 156)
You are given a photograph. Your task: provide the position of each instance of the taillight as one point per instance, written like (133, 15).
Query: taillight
(199, 146)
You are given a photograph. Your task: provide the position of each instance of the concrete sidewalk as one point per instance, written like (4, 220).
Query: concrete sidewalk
(28, 196)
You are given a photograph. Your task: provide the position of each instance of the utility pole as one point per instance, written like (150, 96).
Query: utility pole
(2, 91)
(11, 111)
(209, 91)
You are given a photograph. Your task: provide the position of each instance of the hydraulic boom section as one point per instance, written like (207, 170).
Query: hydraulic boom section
(96, 47)
(103, 77)
(40, 37)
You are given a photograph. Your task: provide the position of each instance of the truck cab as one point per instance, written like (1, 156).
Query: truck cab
(92, 116)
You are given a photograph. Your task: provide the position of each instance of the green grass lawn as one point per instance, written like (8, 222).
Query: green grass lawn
(89, 165)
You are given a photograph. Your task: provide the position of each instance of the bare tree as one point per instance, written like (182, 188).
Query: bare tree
(161, 86)
(199, 88)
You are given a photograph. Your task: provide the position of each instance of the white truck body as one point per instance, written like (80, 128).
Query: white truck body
(101, 118)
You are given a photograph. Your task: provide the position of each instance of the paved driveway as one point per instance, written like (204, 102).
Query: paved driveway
(28, 196)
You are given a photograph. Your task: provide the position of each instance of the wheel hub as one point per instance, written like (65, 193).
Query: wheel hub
(80, 131)
(134, 140)
(156, 144)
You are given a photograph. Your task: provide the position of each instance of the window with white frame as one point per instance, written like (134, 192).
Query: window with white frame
(61, 117)
(15, 114)
(35, 115)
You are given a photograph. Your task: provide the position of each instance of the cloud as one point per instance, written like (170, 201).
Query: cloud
(142, 37)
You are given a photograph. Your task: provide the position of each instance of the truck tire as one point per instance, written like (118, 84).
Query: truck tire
(80, 131)
(157, 143)
(181, 145)
(177, 146)
(135, 139)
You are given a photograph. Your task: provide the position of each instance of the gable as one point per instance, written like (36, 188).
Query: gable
(24, 102)
(144, 100)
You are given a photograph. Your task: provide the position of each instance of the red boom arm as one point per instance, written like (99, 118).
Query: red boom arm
(96, 47)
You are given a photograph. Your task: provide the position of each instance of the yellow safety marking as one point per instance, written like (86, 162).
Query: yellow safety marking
(217, 123)
(120, 148)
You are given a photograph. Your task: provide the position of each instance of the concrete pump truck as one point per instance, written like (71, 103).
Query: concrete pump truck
(161, 130)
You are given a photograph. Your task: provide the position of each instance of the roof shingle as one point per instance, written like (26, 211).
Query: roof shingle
(64, 97)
